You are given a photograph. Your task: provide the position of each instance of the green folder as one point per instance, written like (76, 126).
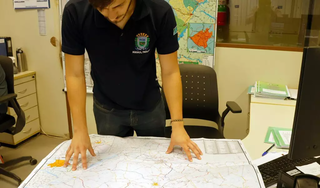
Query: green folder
(279, 136)
(270, 90)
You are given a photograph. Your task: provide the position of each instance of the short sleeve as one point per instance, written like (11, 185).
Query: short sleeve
(167, 41)
(72, 39)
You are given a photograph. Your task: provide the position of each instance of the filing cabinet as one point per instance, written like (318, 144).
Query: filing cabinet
(25, 88)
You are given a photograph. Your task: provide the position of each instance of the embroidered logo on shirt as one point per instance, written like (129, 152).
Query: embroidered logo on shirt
(142, 41)
(175, 30)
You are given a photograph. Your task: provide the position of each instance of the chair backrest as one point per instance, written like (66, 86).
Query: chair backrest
(200, 93)
(7, 66)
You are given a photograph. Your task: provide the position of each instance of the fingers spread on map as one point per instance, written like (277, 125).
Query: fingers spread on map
(170, 148)
(84, 160)
(185, 148)
(197, 147)
(194, 150)
(187, 151)
(75, 160)
(79, 146)
(180, 137)
(68, 156)
(92, 151)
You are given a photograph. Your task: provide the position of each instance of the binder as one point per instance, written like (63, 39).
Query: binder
(270, 90)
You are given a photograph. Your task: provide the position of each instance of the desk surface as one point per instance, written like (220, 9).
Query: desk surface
(266, 113)
(270, 101)
(24, 74)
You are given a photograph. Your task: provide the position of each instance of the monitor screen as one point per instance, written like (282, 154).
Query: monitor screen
(305, 139)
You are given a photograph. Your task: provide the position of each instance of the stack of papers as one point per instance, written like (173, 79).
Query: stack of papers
(292, 92)
(312, 169)
(270, 90)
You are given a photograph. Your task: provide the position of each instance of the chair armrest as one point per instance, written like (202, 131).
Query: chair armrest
(21, 120)
(7, 97)
(20, 123)
(234, 107)
(11, 99)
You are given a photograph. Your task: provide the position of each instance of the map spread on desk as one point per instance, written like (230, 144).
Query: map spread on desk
(142, 162)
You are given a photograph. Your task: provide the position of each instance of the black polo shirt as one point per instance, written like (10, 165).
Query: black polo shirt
(122, 60)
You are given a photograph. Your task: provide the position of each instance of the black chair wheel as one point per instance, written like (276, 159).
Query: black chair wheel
(33, 161)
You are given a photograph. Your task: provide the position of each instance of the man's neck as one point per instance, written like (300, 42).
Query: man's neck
(128, 15)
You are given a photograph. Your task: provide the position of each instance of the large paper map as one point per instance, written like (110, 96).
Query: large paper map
(196, 21)
(142, 162)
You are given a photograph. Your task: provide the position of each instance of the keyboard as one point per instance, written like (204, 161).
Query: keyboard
(271, 169)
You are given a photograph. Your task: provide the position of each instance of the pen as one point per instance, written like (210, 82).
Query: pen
(265, 153)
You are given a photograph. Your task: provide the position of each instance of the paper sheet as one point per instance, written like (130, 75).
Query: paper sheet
(293, 93)
(286, 136)
(42, 22)
(313, 169)
(269, 157)
(31, 4)
(271, 139)
(208, 60)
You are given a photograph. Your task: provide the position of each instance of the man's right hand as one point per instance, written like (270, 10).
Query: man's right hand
(79, 145)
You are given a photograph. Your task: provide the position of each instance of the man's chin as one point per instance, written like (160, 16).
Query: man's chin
(117, 21)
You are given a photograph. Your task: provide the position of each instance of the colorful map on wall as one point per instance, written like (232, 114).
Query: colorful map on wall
(201, 38)
(196, 22)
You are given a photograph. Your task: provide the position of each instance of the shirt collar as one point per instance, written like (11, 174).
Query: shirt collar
(141, 10)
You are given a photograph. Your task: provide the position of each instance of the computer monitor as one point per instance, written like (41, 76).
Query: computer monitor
(305, 139)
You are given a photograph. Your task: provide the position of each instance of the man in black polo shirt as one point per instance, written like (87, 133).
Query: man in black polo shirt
(121, 37)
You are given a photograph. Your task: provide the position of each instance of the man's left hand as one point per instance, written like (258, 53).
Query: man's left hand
(181, 138)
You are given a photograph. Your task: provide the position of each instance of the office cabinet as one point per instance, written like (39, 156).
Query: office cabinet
(265, 113)
(25, 88)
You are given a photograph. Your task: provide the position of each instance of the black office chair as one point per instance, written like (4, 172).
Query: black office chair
(7, 121)
(200, 101)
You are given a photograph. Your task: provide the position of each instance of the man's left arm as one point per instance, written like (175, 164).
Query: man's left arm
(171, 82)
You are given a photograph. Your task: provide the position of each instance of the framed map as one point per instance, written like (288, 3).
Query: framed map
(196, 23)
(201, 38)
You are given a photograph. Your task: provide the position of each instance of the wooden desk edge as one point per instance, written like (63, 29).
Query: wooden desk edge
(24, 74)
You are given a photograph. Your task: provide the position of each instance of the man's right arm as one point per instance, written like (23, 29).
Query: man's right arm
(76, 93)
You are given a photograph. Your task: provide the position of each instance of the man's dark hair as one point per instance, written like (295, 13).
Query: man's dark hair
(100, 4)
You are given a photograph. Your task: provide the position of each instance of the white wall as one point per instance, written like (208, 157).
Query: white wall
(238, 68)
(42, 57)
